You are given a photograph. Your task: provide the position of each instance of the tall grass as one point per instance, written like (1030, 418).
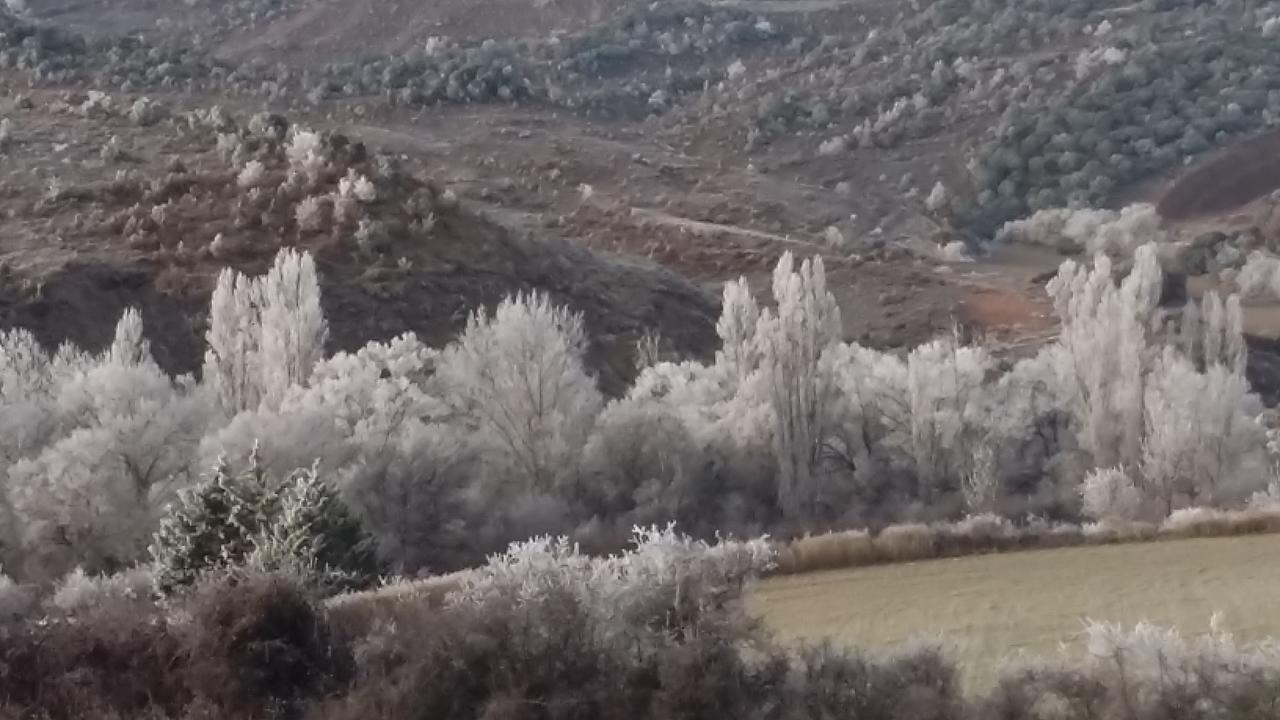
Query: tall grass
(990, 534)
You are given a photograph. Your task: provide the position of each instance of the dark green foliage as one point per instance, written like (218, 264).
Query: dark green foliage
(210, 526)
(311, 526)
(300, 525)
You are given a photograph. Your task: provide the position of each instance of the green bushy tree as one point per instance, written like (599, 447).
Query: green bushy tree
(231, 520)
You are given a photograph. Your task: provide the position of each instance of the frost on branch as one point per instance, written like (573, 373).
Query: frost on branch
(792, 343)
(665, 581)
(1108, 493)
(265, 334)
(121, 443)
(1099, 357)
(519, 373)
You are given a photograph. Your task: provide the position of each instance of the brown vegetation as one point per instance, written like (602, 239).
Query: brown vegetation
(987, 534)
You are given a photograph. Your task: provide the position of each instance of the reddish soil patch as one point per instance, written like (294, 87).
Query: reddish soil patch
(1240, 174)
(997, 310)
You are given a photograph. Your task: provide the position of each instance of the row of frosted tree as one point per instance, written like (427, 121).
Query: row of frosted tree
(446, 454)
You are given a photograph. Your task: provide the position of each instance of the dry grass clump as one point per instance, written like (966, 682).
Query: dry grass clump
(848, 548)
(989, 533)
(904, 543)
(366, 608)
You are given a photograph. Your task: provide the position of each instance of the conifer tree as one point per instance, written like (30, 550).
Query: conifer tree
(313, 531)
(245, 519)
(211, 526)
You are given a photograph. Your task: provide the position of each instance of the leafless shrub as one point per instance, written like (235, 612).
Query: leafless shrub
(1143, 673)
(257, 642)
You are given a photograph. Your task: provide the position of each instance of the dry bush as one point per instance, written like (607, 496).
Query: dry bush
(259, 643)
(977, 534)
(850, 548)
(365, 609)
(904, 543)
(989, 533)
(1147, 673)
(1196, 522)
(1113, 531)
(1210, 522)
(95, 665)
(916, 683)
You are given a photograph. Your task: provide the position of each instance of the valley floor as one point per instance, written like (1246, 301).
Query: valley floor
(986, 609)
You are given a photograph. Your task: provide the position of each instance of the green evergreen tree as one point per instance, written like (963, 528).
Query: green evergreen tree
(211, 526)
(313, 531)
(233, 520)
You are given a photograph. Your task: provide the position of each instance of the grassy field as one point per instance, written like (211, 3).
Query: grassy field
(986, 608)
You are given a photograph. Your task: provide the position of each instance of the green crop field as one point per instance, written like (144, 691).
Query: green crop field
(986, 608)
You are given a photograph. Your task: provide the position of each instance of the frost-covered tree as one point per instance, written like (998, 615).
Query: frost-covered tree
(795, 375)
(312, 531)
(519, 374)
(1221, 327)
(124, 441)
(1189, 431)
(644, 463)
(30, 379)
(231, 519)
(210, 525)
(1260, 276)
(981, 486)
(1112, 232)
(1109, 493)
(418, 497)
(293, 327)
(1202, 441)
(265, 334)
(233, 341)
(944, 391)
(739, 315)
(1102, 350)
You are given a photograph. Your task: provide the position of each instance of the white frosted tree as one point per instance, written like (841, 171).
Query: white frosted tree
(27, 389)
(128, 345)
(1222, 333)
(519, 374)
(944, 391)
(1189, 431)
(1202, 440)
(265, 334)
(233, 340)
(294, 329)
(792, 341)
(1109, 493)
(739, 354)
(1102, 351)
(126, 437)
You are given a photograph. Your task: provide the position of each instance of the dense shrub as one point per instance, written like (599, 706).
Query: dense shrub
(258, 642)
(97, 647)
(1145, 673)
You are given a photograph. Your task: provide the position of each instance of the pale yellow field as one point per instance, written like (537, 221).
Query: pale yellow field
(986, 608)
